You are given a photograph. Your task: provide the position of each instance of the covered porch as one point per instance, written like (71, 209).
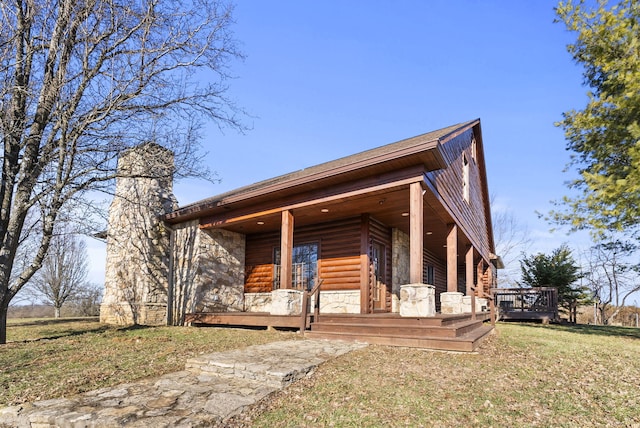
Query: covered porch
(377, 243)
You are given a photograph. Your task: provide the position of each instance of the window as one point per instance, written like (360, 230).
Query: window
(304, 271)
(465, 178)
(430, 275)
(474, 149)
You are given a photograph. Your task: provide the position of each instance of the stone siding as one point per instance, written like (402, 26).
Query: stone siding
(286, 301)
(417, 300)
(339, 302)
(257, 302)
(137, 267)
(451, 302)
(399, 265)
(208, 271)
(331, 302)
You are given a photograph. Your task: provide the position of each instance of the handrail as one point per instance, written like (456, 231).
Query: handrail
(492, 307)
(473, 302)
(315, 291)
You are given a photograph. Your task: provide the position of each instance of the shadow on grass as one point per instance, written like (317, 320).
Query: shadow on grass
(50, 321)
(54, 334)
(594, 330)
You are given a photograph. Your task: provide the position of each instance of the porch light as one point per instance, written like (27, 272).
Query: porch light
(405, 214)
(260, 223)
(429, 232)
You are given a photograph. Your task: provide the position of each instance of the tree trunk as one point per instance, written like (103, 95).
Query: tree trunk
(56, 312)
(4, 308)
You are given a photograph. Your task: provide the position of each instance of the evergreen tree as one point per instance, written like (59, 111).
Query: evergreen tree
(604, 136)
(558, 270)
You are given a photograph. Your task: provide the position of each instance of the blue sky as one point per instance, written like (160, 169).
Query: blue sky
(326, 79)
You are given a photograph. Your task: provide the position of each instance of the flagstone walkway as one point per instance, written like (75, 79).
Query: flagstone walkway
(210, 390)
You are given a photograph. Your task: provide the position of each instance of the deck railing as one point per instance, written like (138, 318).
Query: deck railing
(306, 297)
(526, 303)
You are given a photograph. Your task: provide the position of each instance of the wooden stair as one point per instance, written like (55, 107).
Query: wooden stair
(442, 332)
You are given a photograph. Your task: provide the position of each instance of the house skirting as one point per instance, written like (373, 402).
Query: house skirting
(331, 302)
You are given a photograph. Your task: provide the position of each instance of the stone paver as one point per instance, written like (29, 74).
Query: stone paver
(213, 388)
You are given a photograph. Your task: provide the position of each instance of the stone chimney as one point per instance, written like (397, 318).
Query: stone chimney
(137, 269)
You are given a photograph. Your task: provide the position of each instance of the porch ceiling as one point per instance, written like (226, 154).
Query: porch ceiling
(390, 207)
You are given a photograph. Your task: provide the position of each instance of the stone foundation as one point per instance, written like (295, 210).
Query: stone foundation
(331, 302)
(286, 302)
(417, 300)
(339, 302)
(257, 302)
(451, 303)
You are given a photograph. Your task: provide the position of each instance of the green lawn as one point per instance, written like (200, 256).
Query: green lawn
(524, 375)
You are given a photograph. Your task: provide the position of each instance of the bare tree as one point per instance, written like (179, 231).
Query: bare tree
(83, 81)
(611, 276)
(63, 276)
(86, 302)
(512, 239)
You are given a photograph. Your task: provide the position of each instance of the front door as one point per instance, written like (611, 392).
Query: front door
(378, 277)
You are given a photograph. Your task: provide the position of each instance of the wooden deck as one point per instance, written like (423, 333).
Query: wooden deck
(527, 304)
(442, 332)
(243, 319)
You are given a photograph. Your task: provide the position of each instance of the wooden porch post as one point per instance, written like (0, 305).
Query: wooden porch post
(416, 211)
(480, 284)
(452, 259)
(489, 273)
(286, 250)
(469, 279)
(365, 298)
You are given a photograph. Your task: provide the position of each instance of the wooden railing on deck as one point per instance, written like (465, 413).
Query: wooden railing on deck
(304, 321)
(526, 303)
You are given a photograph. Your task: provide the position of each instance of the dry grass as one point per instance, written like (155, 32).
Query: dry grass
(56, 358)
(525, 375)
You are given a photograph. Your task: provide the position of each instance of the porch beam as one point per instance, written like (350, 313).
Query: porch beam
(222, 220)
(416, 215)
(452, 258)
(286, 250)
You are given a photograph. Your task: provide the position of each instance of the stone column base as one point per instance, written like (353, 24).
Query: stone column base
(286, 302)
(451, 302)
(417, 300)
(482, 304)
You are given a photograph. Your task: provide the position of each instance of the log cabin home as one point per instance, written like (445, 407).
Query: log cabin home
(393, 245)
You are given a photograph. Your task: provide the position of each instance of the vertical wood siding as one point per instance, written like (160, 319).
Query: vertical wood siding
(471, 216)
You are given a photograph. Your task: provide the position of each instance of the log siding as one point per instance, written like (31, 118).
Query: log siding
(338, 255)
